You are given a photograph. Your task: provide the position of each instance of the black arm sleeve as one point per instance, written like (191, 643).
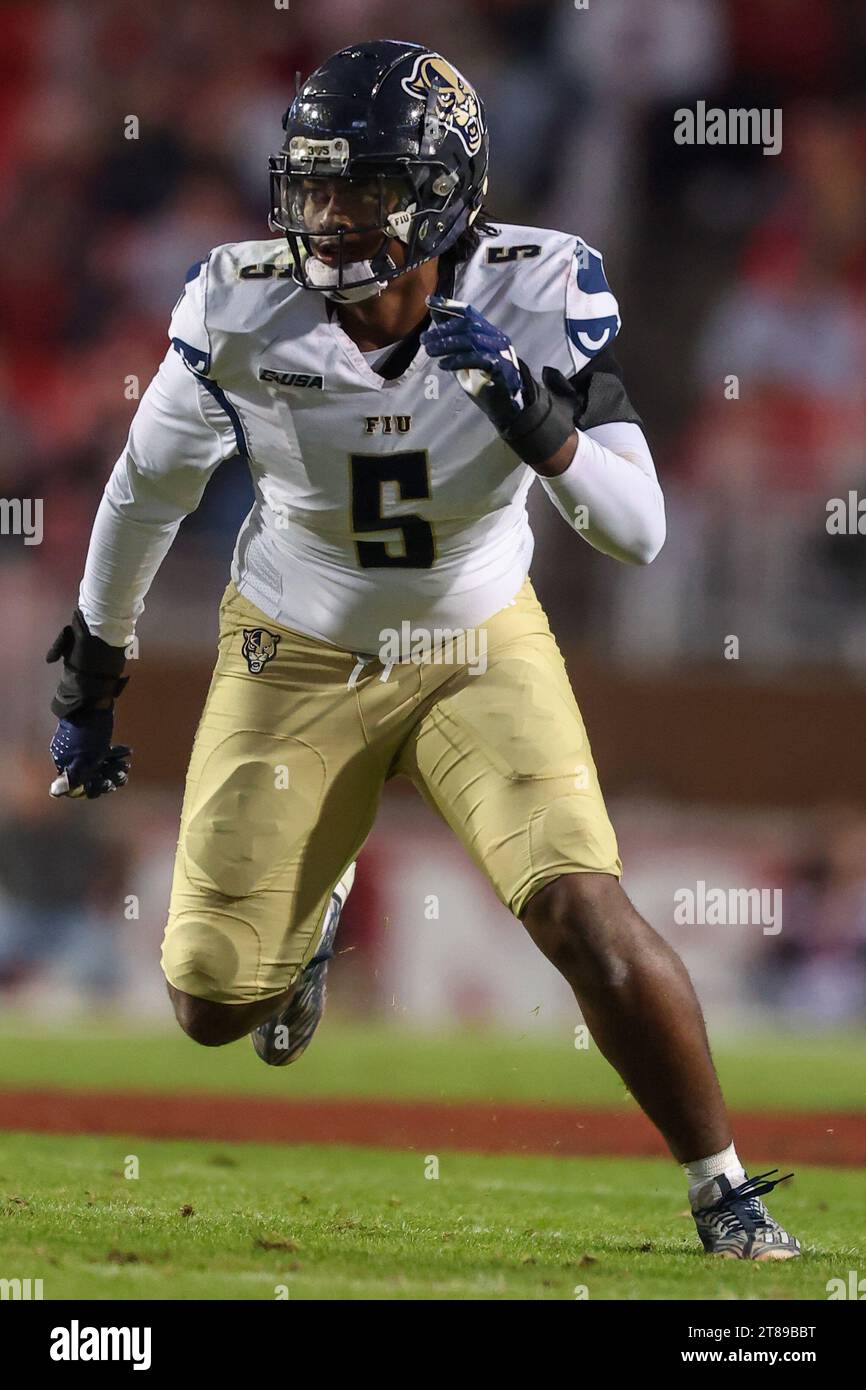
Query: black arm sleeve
(600, 394)
(555, 406)
(91, 669)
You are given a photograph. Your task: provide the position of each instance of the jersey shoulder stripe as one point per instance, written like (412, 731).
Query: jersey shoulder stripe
(592, 318)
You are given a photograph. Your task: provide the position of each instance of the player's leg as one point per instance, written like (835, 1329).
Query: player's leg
(639, 1005)
(213, 1024)
(641, 1009)
(284, 1036)
(281, 1026)
(504, 758)
(281, 793)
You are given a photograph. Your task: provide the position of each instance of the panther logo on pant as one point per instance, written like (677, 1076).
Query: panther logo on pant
(260, 647)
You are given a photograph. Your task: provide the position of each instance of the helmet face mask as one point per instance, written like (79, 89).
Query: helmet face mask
(383, 167)
(319, 205)
(342, 229)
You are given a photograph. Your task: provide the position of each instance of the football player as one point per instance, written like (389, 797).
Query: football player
(397, 371)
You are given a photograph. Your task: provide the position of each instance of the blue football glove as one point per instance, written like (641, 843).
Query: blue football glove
(482, 355)
(535, 418)
(87, 762)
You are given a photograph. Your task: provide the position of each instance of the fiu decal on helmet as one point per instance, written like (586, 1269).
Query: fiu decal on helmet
(260, 647)
(456, 104)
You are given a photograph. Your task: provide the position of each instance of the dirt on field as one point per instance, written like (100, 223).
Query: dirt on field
(835, 1139)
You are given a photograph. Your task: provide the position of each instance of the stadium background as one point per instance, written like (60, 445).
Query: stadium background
(744, 772)
(738, 763)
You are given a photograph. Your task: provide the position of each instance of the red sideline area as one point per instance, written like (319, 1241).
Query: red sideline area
(836, 1139)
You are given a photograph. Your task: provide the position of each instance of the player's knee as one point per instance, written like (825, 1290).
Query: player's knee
(578, 922)
(201, 963)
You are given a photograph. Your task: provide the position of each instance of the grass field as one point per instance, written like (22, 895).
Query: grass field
(781, 1071)
(239, 1221)
(256, 1221)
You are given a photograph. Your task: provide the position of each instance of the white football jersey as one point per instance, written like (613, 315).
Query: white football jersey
(376, 501)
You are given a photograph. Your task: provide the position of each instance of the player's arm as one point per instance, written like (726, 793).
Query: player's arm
(580, 434)
(602, 478)
(179, 436)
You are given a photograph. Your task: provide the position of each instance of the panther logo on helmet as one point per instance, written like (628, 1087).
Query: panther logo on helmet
(457, 106)
(260, 647)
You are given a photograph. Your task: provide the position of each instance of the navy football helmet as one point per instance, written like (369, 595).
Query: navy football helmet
(385, 143)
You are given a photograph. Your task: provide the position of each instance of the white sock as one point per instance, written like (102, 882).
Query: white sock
(703, 1170)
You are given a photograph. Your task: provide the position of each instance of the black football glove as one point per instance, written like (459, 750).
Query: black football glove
(87, 762)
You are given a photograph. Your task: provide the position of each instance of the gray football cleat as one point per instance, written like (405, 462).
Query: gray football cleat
(734, 1223)
(283, 1038)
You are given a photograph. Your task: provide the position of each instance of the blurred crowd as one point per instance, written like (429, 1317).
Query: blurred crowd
(134, 138)
(816, 967)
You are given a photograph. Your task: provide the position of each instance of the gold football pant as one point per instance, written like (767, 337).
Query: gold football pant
(295, 742)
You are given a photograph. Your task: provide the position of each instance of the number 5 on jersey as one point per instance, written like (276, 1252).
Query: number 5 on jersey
(411, 472)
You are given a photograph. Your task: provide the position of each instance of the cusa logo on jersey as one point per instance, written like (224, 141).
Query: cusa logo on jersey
(260, 647)
(291, 378)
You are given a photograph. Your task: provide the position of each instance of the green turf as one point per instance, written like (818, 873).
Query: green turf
(367, 1224)
(779, 1071)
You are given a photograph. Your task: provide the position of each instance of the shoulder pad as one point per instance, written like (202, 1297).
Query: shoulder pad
(565, 310)
(187, 328)
(592, 318)
(527, 260)
(232, 291)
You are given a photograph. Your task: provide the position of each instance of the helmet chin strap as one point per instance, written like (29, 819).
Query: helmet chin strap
(324, 277)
